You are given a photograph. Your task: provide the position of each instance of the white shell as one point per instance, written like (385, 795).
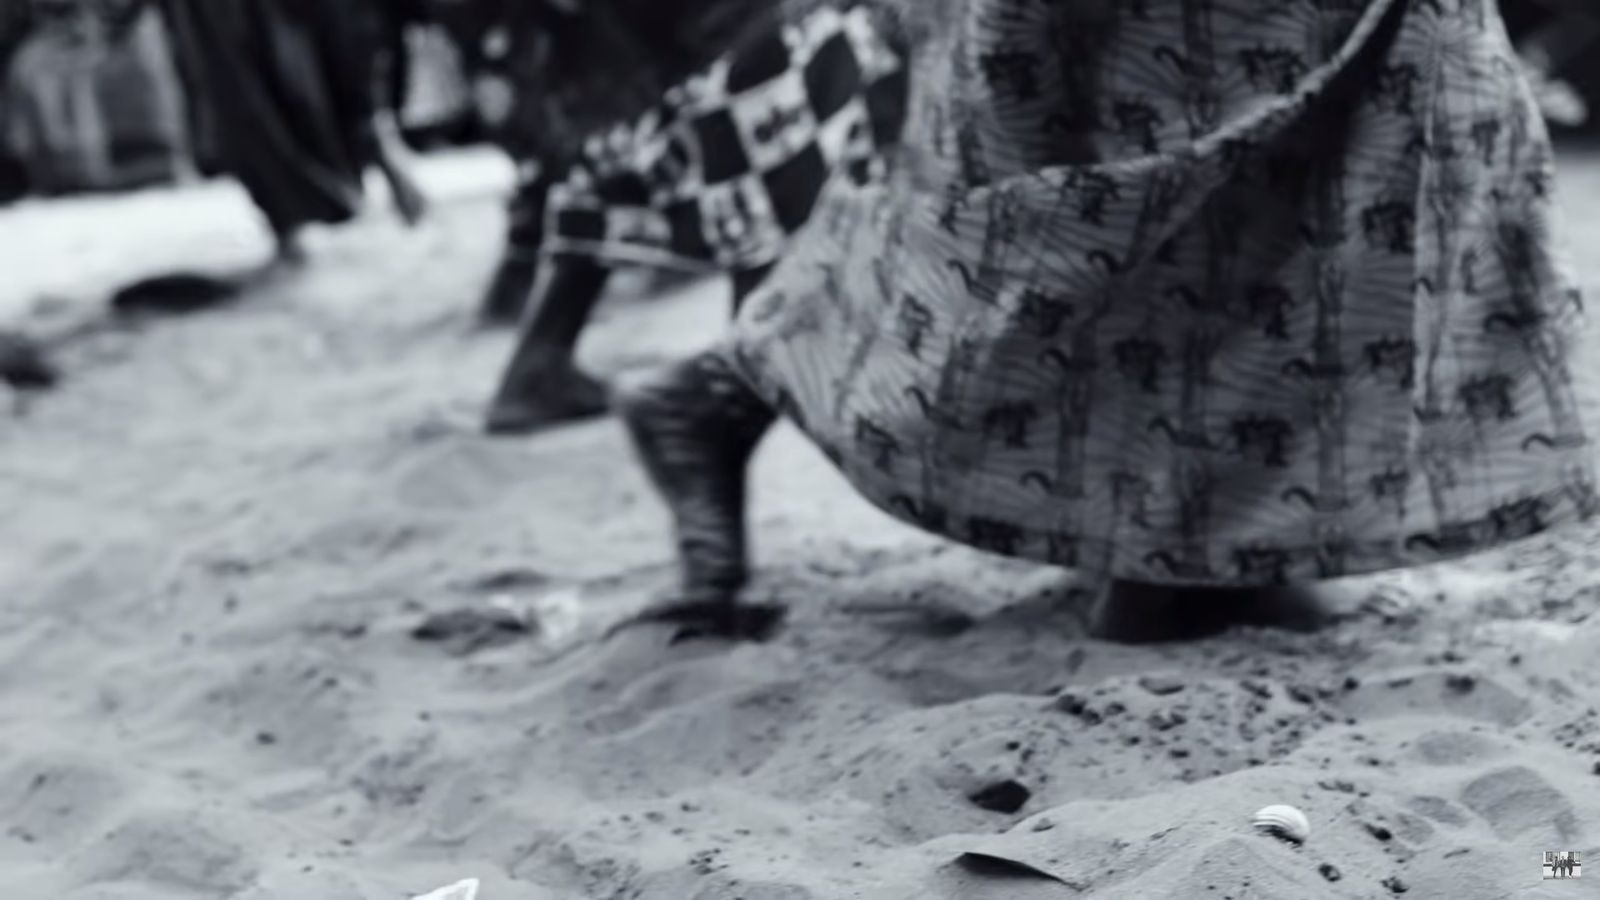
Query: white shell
(461, 890)
(1284, 822)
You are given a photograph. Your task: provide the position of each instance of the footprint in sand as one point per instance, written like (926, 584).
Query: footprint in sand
(93, 579)
(696, 716)
(295, 705)
(455, 475)
(1454, 748)
(1439, 810)
(693, 881)
(1464, 694)
(659, 693)
(54, 804)
(294, 878)
(177, 851)
(1521, 805)
(119, 892)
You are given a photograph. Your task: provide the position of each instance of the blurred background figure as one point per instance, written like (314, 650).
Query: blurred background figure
(714, 179)
(301, 98)
(87, 108)
(551, 74)
(1556, 39)
(294, 98)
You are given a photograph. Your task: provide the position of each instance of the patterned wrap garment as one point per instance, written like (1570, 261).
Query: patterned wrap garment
(1198, 292)
(723, 171)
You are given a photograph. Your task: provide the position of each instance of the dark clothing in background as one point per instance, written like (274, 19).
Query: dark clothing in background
(89, 99)
(287, 91)
(578, 74)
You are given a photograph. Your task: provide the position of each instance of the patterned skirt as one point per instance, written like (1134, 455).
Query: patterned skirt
(1198, 292)
(723, 171)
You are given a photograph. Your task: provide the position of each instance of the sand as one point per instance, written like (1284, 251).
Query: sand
(220, 533)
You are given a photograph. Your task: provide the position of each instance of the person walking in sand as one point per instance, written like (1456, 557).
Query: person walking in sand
(302, 99)
(299, 97)
(549, 75)
(716, 177)
(1211, 299)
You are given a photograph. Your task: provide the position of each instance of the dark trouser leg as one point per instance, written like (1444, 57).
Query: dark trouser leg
(518, 272)
(542, 385)
(695, 426)
(507, 296)
(288, 248)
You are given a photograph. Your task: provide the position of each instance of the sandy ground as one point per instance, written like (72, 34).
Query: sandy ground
(220, 533)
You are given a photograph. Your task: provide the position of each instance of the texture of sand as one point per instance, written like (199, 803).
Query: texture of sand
(219, 534)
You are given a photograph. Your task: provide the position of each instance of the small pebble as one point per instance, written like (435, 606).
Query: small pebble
(1044, 824)
(1074, 705)
(1395, 885)
(1001, 797)
(1161, 685)
(1379, 832)
(1330, 871)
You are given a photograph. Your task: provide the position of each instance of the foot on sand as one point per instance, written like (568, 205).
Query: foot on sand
(562, 394)
(23, 364)
(695, 427)
(1146, 613)
(710, 620)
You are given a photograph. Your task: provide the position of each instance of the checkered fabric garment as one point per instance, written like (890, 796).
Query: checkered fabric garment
(721, 173)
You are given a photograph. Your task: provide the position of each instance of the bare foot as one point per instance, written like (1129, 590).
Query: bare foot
(563, 394)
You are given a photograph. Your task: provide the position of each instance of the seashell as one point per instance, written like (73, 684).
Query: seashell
(461, 890)
(1284, 822)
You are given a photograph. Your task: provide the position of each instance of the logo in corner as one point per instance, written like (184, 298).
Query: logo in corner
(1562, 864)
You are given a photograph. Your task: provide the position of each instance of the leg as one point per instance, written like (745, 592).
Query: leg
(513, 281)
(386, 79)
(290, 250)
(542, 385)
(695, 427)
(394, 162)
(518, 272)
